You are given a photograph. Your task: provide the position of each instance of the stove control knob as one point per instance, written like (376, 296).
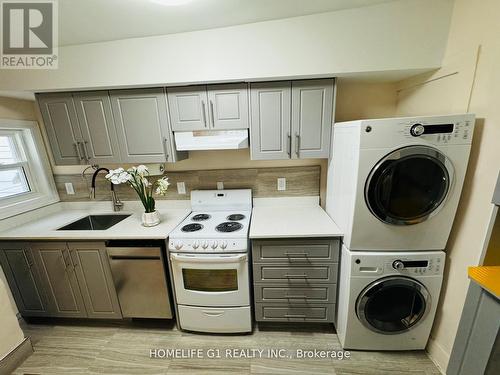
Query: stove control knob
(398, 265)
(178, 245)
(223, 245)
(196, 245)
(214, 245)
(204, 244)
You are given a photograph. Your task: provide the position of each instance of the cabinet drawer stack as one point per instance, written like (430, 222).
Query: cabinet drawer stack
(295, 280)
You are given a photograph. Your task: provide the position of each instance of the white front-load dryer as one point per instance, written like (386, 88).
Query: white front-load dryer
(387, 300)
(394, 184)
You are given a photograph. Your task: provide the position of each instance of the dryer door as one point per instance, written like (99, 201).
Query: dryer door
(409, 185)
(392, 305)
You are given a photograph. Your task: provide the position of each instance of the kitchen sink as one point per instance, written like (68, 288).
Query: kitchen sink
(95, 222)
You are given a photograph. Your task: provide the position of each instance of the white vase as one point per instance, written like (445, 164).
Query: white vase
(150, 219)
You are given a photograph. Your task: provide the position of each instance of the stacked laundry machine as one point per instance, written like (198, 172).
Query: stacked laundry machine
(393, 188)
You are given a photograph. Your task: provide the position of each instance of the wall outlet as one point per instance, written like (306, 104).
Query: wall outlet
(69, 188)
(181, 188)
(220, 185)
(281, 183)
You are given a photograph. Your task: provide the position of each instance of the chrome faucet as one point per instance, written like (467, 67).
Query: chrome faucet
(117, 203)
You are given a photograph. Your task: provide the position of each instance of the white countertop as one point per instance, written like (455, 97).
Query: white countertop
(291, 218)
(43, 224)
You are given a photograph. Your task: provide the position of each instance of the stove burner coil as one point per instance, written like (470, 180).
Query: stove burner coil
(191, 227)
(228, 226)
(200, 217)
(235, 217)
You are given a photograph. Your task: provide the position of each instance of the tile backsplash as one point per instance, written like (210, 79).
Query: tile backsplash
(300, 181)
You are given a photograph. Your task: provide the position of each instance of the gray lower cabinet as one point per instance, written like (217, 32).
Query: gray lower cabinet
(141, 119)
(292, 119)
(76, 279)
(295, 280)
(94, 278)
(17, 263)
(59, 279)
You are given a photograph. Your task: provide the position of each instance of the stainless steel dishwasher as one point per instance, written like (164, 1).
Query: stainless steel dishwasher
(140, 279)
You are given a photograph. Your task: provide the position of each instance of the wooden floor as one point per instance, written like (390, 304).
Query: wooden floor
(63, 348)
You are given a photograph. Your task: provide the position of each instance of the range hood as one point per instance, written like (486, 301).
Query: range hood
(211, 140)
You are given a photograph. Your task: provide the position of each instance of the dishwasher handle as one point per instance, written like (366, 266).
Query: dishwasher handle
(134, 252)
(131, 257)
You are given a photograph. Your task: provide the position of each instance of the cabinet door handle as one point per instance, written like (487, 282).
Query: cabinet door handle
(77, 147)
(26, 259)
(212, 113)
(289, 151)
(297, 144)
(165, 140)
(73, 262)
(85, 151)
(287, 296)
(63, 257)
(203, 109)
(303, 275)
(295, 254)
(295, 315)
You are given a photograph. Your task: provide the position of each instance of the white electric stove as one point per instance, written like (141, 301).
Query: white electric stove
(210, 262)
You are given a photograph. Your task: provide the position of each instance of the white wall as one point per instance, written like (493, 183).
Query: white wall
(468, 81)
(404, 35)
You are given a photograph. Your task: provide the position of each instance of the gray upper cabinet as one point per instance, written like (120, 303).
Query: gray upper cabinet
(142, 126)
(100, 143)
(95, 280)
(228, 106)
(57, 273)
(312, 111)
(291, 120)
(270, 120)
(59, 115)
(218, 107)
(188, 108)
(23, 278)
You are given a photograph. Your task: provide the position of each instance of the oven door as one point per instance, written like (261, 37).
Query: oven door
(211, 279)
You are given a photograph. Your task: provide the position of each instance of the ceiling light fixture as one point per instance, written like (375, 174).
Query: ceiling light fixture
(170, 2)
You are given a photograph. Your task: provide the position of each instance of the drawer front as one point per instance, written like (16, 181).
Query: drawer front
(296, 251)
(295, 274)
(218, 320)
(288, 313)
(296, 295)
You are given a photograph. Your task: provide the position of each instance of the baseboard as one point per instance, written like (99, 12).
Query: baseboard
(438, 355)
(17, 356)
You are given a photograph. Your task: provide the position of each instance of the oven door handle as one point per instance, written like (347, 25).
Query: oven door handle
(211, 259)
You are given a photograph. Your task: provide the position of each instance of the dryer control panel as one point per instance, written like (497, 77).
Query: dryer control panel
(439, 133)
(426, 130)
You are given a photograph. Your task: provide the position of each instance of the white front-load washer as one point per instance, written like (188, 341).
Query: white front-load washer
(387, 300)
(394, 184)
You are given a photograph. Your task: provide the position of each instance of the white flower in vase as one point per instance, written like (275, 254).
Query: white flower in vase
(137, 178)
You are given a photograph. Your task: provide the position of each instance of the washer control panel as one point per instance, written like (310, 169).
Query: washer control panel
(411, 266)
(424, 263)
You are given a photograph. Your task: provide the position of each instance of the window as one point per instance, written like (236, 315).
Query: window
(26, 181)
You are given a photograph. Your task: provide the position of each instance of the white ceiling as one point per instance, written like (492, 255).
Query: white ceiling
(88, 21)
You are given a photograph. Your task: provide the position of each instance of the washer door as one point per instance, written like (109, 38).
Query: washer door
(408, 185)
(393, 305)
